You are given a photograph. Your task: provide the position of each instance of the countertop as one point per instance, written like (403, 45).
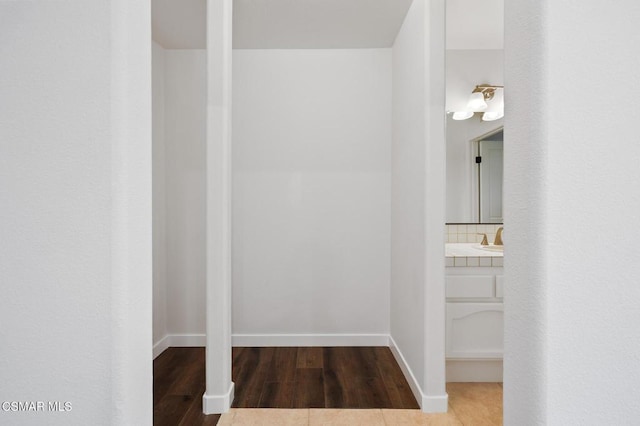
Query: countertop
(471, 255)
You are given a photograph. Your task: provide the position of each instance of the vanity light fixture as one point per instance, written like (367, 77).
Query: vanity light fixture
(492, 115)
(478, 103)
(462, 115)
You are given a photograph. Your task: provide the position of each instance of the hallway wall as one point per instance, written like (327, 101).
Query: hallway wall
(179, 196)
(571, 297)
(408, 192)
(418, 201)
(312, 134)
(185, 135)
(75, 191)
(159, 195)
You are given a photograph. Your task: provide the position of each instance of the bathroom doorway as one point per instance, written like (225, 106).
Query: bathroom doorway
(474, 274)
(489, 161)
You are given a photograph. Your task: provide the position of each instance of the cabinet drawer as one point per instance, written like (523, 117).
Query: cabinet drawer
(474, 330)
(469, 286)
(499, 286)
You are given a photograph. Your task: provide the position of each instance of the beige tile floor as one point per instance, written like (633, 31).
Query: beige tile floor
(475, 404)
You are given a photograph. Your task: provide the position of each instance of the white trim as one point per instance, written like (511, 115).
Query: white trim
(406, 370)
(179, 341)
(161, 346)
(435, 404)
(264, 340)
(188, 340)
(428, 403)
(474, 370)
(218, 404)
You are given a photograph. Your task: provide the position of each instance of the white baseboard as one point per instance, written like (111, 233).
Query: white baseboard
(280, 340)
(218, 404)
(406, 370)
(428, 403)
(435, 404)
(264, 340)
(179, 341)
(480, 370)
(188, 340)
(161, 346)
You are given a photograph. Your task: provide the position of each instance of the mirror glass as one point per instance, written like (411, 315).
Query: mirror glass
(474, 57)
(489, 164)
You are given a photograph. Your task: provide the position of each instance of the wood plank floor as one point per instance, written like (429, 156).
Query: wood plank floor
(178, 385)
(332, 377)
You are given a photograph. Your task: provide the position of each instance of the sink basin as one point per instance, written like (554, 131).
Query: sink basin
(490, 247)
(472, 250)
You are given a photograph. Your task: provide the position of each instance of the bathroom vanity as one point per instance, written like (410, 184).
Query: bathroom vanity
(474, 313)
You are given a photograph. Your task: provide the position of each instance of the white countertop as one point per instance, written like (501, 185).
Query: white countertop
(470, 250)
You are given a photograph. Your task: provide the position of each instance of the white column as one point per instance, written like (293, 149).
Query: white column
(219, 393)
(435, 398)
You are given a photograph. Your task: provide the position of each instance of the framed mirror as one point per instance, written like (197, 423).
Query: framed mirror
(474, 172)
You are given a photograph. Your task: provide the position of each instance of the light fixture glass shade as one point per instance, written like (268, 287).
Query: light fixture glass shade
(492, 115)
(462, 115)
(477, 102)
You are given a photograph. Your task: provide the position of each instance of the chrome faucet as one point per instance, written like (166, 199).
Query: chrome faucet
(498, 240)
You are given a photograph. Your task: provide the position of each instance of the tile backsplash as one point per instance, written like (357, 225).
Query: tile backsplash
(473, 261)
(469, 233)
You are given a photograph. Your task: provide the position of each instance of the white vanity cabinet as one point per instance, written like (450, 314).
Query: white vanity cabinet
(474, 323)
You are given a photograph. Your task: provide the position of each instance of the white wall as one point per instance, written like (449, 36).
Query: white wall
(75, 185)
(571, 299)
(466, 69)
(408, 195)
(417, 212)
(312, 134)
(185, 133)
(159, 197)
(179, 130)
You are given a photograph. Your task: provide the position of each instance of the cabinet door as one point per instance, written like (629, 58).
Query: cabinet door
(475, 330)
(469, 286)
(499, 286)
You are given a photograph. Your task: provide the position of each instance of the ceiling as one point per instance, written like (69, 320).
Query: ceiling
(284, 24)
(309, 24)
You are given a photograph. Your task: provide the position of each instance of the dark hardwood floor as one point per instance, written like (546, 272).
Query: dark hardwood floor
(333, 377)
(178, 385)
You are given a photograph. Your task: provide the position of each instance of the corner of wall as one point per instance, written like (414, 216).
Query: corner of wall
(428, 403)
